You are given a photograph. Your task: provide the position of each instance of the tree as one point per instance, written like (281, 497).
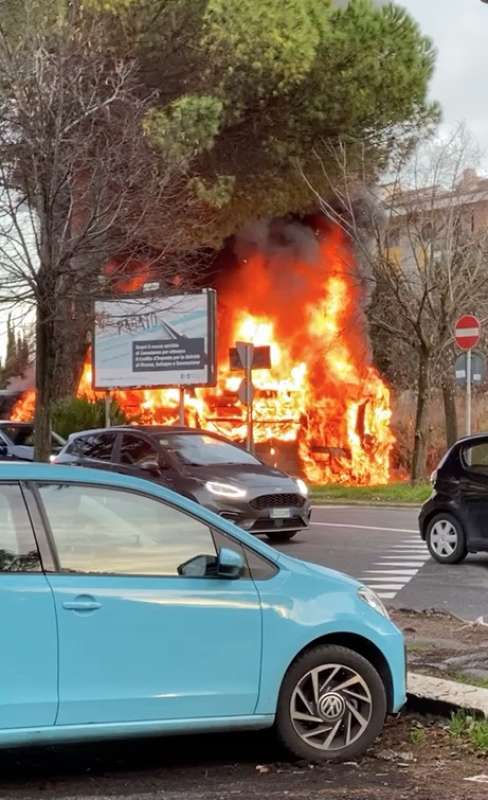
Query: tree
(234, 93)
(251, 86)
(426, 244)
(78, 182)
(17, 354)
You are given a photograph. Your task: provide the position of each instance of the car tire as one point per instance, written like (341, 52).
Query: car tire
(446, 539)
(343, 723)
(281, 536)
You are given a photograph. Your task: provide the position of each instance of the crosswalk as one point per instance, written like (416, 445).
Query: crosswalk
(395, 569)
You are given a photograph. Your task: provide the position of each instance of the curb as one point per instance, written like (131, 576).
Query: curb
(363, 504)
(440, 696)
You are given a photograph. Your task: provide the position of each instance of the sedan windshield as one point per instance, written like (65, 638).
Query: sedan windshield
(204, 451)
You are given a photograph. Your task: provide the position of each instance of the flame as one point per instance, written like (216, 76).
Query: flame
(322, 397)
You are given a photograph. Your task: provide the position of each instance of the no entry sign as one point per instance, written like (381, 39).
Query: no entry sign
(467, 332)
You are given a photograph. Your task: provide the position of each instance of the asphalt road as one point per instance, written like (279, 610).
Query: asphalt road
(382, 548)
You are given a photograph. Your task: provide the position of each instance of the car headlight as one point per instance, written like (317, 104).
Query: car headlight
(372, 599)
(302, 487)
(224, 489)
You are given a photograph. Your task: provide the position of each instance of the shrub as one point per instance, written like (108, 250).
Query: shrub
(80, 413)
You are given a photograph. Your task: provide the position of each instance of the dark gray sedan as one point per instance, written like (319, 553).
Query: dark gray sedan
(203, 466)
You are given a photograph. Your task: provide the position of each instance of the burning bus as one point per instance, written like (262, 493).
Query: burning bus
(322, 410)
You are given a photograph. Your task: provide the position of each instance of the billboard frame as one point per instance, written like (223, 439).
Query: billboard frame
(211, 296)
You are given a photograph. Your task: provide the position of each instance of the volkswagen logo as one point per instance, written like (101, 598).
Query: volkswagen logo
(331, 706)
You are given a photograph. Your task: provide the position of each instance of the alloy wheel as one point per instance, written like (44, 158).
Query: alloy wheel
(331, 707)
(443, 538)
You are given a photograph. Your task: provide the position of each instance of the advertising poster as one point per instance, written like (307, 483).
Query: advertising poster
(155, 342)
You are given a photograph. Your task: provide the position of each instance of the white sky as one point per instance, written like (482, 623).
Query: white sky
(459, 29)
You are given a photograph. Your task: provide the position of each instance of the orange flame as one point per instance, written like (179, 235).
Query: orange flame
(321, 396)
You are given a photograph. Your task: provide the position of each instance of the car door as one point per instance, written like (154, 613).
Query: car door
(138, 456)
(474, 487)
(28, 662)
(138, 641)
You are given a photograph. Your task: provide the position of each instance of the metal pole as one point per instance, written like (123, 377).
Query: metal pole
(182, 407)
(107, 409)
(468, 393)
(250, 420)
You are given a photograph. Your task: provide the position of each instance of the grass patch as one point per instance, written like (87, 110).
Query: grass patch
(419, 647)
(393, 493)
(417, 736)
(475, 731)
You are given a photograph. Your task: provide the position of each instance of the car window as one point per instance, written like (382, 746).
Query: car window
(18, 549)
(104, 530)
(20, 435)
(95, 445)
(136, 450)
(201, 451)
(476, 457)
(221, 540)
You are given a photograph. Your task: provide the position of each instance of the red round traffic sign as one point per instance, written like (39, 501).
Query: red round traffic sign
(467, 332)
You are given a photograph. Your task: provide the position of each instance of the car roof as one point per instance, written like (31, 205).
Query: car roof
(473, 437)
(149, 429)
(16, 423)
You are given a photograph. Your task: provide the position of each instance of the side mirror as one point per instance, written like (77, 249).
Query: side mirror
(3, 450)
(230, 564)
(152, 467)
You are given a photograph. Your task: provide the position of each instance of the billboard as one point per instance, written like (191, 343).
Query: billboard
(151, 342)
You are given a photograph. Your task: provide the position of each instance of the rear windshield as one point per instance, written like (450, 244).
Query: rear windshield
(199, 450)
(22, 435)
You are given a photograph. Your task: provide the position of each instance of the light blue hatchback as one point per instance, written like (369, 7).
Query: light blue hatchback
(129, 610)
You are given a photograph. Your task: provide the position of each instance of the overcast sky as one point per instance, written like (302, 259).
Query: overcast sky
(459, 29)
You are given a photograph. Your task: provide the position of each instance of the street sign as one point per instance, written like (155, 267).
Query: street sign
(245, 351)
(261, 358)
(245, 354)
(246, 392)
(467, 332)
(478, 369)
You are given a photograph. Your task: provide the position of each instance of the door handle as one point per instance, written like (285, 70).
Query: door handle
(82, 604)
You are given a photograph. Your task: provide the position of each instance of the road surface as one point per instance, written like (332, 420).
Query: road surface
(382, 548)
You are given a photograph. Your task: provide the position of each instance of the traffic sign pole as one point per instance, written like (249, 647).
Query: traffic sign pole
(246, 355)
(181, 407)
(467, 334)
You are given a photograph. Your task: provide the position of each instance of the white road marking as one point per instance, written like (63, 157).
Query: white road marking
(363, 527)
(387, 586)
(417, 564)
(400, 572)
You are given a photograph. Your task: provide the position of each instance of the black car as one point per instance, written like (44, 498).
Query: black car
(17, 441)
(203, 466)
(454, 520)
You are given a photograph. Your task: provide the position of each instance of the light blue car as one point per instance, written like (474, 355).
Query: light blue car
(128, 610)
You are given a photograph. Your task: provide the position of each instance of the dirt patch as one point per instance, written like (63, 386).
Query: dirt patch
(439, 644)
(416, 759)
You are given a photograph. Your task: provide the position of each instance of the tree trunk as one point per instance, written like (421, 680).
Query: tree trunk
(450, 411)
(71, 335)
(419, 460)
(44, 381)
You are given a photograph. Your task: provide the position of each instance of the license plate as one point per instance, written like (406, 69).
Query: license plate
(280, 513)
